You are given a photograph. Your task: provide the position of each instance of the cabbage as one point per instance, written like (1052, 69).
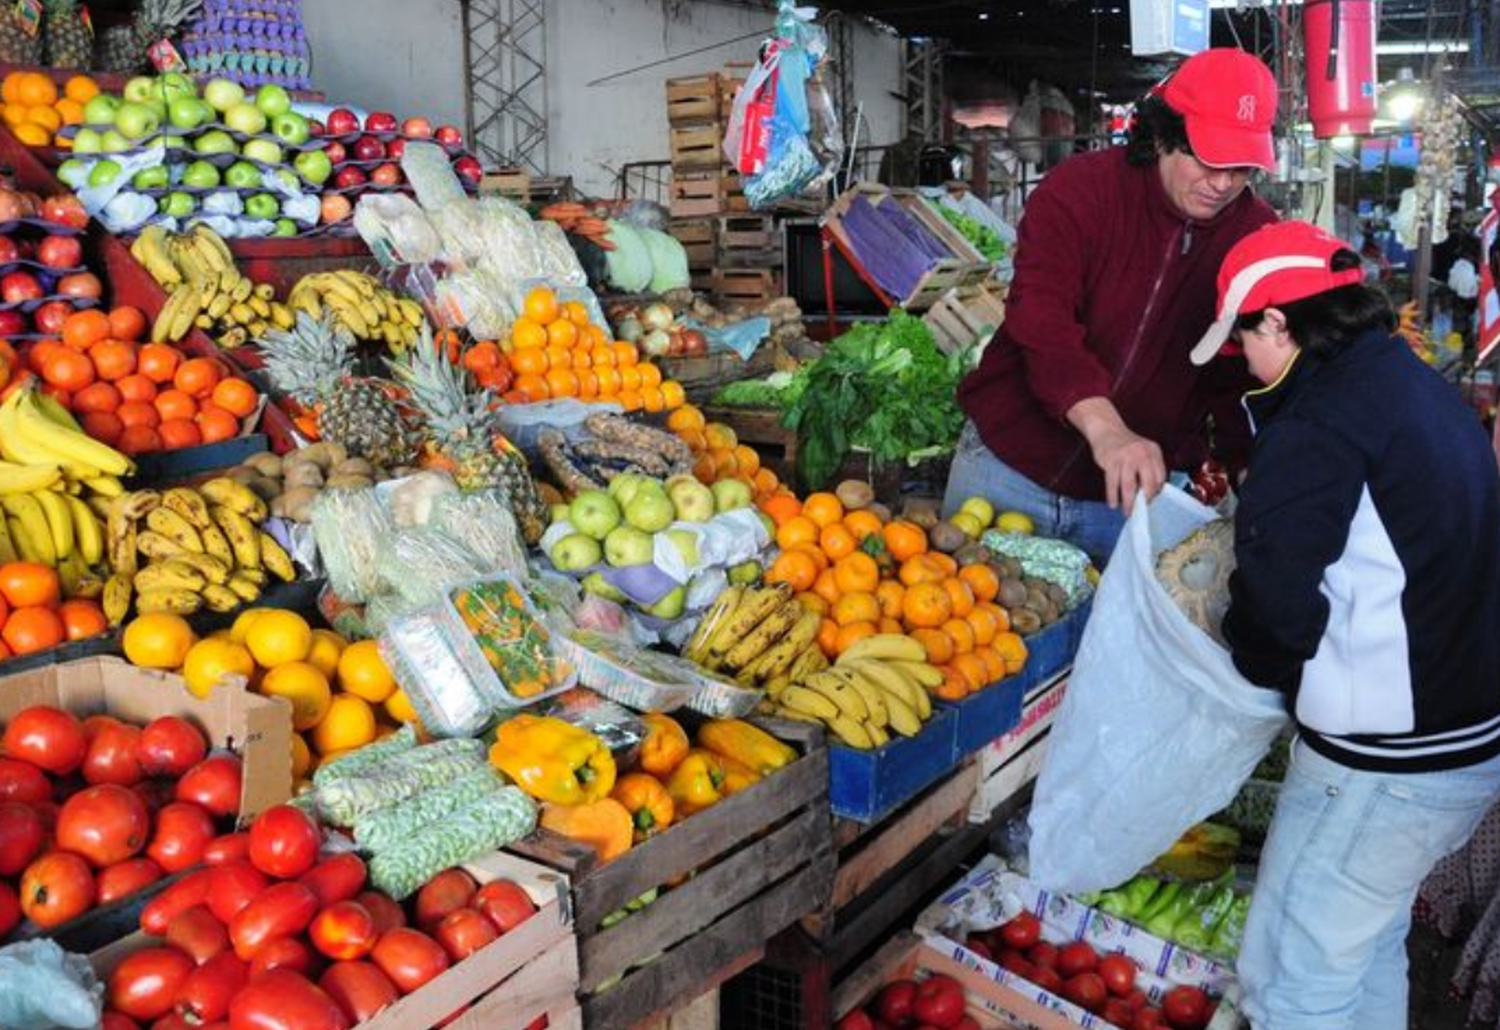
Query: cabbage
(669, 267)
(630, 261)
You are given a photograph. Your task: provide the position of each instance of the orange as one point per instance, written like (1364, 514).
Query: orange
(889, 594)
(303, 685)
(672, 394)
(994, 665)
(327, 648)
(781, 507)
(240, 629)
(863, 523)
(279, 637)
(999, 614)
(127, 323)
(836, 540)
(47, 117)
(532, 361)
(140, 439)
(815, 552)
(855, 631)
(826, 587)
(28, 630)
(926, 605)
(31, 135)
(36, 89)
(602, 356)
(10, 88)
(558, 357)
(794, 568)
(209, 663)
(95, 398)
(197, 377)
(301, 757)
(177, 433)
(828, 637)
(534, 387)
(541, 305)
(856, 606)
(694, 439)
(686, 417)
(68, 370)
(954, 686)
(562, 333)
(938, 645)
(981, 580)
(725, 463)
(764, 481)
(905, 539)
(748, 458)
(14, 115)
(650, 374)
(235, 396)
(577, 312)
(349, 723)
(1013, 649)
(983, 625)
(857, 571)
(973, 669)
(215, 424)
(81, 89)
(526, 334)
(82, 618)
(919, 568)
(157, 362)
(157, 641)
(960, 595)
(561, 382)
(399, 707)
(705, 469)
(70, 111)
(133, 414)
(943, 562)
(579, 357)
(588, 384)
(630, 378)
(823, 508)
(798, 529)
(175, 404)
(813, 603)
(595, 337)
(104, 426)
(890, 626)
(630, 400)
(113, 359)
(720, 435)
(609, 380)
(652, 399)
(961, 633)
(625, 353)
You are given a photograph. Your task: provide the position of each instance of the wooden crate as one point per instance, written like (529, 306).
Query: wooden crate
(513, 183)
(702, 376)
(967, 314)
(761, 428)
(749, 241)
(697, 100)
(705, 194)
(741, 871)
(698, 148)
(699, 239)
(943, 275)
(745, 286)
(1008, 764)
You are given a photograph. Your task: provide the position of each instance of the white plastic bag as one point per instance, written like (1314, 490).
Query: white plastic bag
(1158, 730)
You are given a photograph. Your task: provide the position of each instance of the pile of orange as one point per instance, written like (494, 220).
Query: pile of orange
(556, 350)
(138, 397)
(865, 576)
(34, 109)
(34, 615)
(718, 453)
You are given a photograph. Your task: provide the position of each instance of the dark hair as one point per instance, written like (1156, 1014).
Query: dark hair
(1325, 323)
(1156, 130)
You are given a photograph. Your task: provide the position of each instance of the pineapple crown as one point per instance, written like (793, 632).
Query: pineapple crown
(165, 16)
(444, 393)
(309, 359)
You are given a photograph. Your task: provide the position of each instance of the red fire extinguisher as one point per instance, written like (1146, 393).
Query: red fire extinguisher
(1338, 37)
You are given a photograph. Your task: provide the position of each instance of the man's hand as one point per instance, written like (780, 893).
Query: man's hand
(1130, 462)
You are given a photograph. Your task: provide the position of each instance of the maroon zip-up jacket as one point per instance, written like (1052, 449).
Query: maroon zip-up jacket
(1112, 288)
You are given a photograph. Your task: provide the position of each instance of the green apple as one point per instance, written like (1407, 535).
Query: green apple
(730, 494)
(140, 90)
(314, 166)
(177, 204)
(692, 501)
(100, 110)
(188, 112)
(136, 121)
(290, 127)
(576, 551)
(622, 488)
(627, 546)
(222, 94)
(671, 605)
(273, 100)
(153, 178)
(73, 173)
(245, 117)
(215, 141)
(557, 513)
(88, 141)
(174, 86)
(104, 173)
(745, 573)
(595, 583)
(113, 141)
(594, 512)
(650, 509)
(685, 542)
(200, 175)
(284, 227)
(242, 175)
(262, 205)
(263, 150)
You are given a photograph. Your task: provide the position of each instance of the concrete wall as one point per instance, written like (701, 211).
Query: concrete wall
(406, 56)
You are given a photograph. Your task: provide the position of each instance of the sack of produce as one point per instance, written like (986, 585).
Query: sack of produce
(349, 525)
(483, 523)
(1147, 684)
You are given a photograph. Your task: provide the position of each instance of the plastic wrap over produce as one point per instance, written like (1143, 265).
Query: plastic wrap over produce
(43, 987)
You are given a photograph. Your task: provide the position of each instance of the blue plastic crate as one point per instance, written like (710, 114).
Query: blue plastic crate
(867, 785)
(986, 714)
(1051, 650)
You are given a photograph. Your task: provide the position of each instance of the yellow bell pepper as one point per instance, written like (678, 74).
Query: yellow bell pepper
(647, 801)
(749, 745)
(553, 760)
(737, 776)
(665, 745)
(695, 783)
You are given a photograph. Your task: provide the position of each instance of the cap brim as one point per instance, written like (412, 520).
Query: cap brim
(1208, 347)
(1219, 146)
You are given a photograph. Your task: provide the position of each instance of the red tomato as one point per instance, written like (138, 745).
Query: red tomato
(183, 830)
(21, 836)
(1076, 958)
(1015, 962)
(205, 996)
(337, 878)
(111, 754)
(284, 842)
(170, 746)
(172, 1021)
(1137, 1000)
(1046, 976)
(446, 892)
(10, 908)
(1086, 990)
(197, 932)
(213, 783)
(92, 724)
(118, 1021)
(232, 886)
(359, 988)
(464, 931)
(1117, 1012)
(859, 1019)
(155, 794)
(105, 824)
(1042, 955)
(226, 848)
(939, 1000)
(388, 915)
(893, 1003)
(409, 958)
(281, 910)
(344, 931)
(1118, 973)
(55, 888)
(143, 986)
(284, 1000)
(22, 781)
(1185, 1008)
(1146, 1019)
(1021, 932)
(125, 878)
(191, 890)
(47, 737)
(284, 953)
(979, 946)
(505, 903)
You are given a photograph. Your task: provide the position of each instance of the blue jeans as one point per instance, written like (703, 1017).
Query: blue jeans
(1092, 526)
(1325, 942)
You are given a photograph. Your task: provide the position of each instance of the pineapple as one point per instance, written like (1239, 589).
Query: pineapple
(312, 363)
(69, 41)
(124, 47)
(16, 45)
(465, 432)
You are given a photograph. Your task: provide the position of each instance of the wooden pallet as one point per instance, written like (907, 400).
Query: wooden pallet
(739, 873)
(706, 194)
(698, 148)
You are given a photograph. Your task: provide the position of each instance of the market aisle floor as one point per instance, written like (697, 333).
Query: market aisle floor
(1432, 962)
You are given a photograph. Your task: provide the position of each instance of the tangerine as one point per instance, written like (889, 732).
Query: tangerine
(856, 606)
(828, 637)
(823, 508)
(797, 529)
(526, 334)
(303, 685)
(794, 568)
(348, 723)
(826, 586)
(28, 630)
(175, 404)
(139, 439)
(562, 333)
(363, 672)
(197, 377)
(236, 396)
(905, 539)
(961, 633)
(68, 370)
(208, 663)
(982, 580)
(138, 413)
(836, 540)
(83, 329)
(137, 387)
(853, 632)
(177, 433)
(96, 397)
(577, 312)
(541, 305)
(26, 584)
(113, 359)
(937, 644)
(158, 640)
(104, 426)
(278, 637)
(926, 605)
(215, 424)
(780, 507)
(327, 648)
(157, 362)
(127, 323)
(80, 89)
(889, 593)
(857, 571)
(960, 595)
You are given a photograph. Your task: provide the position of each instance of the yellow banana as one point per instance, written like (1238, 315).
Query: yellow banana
(778, 658)
(851, 732)
(243, 587)
(189, 504)
(216, 545)
(894, 646)
(242, 536)
(213, 571)
(274, 557)
(894, 681)
(177, 602)
(926, 674)
(59, 521)
(86, 531)
(873, 697)
(167, 577)
(71, 447)
(175, 528)
(809, 702)
(25, 549)
(756, 605)
(15, 446)
(8, 551)
(878, 736)
(765, 634)
(811, 660)
(26, 479)
(845, 697)
(235, 496)
(697, 646)
(104, 486)
(220, 598)
(118, 590)
(156, 547)
(24, 511)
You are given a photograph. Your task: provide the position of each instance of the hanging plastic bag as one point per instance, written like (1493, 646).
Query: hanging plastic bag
(1158, 729)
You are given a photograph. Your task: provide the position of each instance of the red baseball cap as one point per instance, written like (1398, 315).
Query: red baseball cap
(1228, 100)
(1276, 264)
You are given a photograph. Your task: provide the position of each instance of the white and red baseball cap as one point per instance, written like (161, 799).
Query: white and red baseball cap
(1227, 98)
(1276, 264)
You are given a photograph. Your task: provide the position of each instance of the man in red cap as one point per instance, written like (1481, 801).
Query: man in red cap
(1085, 396)
(1367, 590)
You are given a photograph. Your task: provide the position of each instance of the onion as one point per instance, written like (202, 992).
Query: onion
(657, 316)
(656, 343)
(629, 329)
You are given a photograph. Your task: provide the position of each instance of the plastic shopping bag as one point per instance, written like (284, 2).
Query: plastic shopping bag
(1158, 730)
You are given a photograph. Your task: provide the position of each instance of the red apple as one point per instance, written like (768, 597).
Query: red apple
(395, 148)
(448, 136)
(342, 121)
(349, 176)
(19, 286)
(380, 121)
(84, 285)
(894, 1002)
(468, 168)
(64, 209)
(13, 323)
(336, 152)
(420, 128)
(335, 208)
(939, 1000)
(8, 250)
(386, 175)
(316, 128)
(49, 318)
(60, 252)
(368, 148)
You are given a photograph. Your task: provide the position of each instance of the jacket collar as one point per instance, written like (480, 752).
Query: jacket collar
(1263, 404)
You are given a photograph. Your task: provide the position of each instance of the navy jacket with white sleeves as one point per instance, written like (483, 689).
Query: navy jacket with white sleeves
(1368, 546)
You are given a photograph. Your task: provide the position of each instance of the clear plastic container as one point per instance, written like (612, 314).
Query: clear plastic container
(419, 649)
(647, 681)
(496, 628)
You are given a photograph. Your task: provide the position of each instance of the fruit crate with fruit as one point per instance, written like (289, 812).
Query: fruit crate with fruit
(719, 884)
(868, 785)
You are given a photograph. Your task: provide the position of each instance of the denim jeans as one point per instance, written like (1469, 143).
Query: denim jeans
(1325, 942)
(1093, 526)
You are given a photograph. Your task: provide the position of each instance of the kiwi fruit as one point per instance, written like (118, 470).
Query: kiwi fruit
(1058, 596)
(880, 511)
(1012, 593)
(972, 553)
(1024, 621)
(854, 494)
(947, 537)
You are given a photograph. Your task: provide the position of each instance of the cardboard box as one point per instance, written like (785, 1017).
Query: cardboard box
(258, 729)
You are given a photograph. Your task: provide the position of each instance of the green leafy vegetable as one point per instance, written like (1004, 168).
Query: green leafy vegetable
(985, 239)
(777, 390)
(882, 386)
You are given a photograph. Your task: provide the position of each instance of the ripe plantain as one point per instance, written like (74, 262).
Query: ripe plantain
(117, 591)
(189, 504)
(175, 528)
(177, 602)
(274, 557)
(243, 537)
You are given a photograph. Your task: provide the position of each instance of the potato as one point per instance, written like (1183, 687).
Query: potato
(265, 463)
(348, 483)
(242, 474)
(354, 467)
(295, 504)
(264, 487)
(303, 474)
(324, 454)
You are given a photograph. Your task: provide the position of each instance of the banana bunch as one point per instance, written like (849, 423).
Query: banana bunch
(206, 289)
(876, 688)
(362, 305)
(756, 634)
(187, 548)
(42, 447)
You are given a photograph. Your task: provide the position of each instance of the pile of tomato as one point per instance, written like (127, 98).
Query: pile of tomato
(269, 935)
(94, 810)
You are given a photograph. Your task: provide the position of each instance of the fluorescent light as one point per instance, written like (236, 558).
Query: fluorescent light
(1436, 46)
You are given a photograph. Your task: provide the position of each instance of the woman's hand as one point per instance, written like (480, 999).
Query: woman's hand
(1130, 462)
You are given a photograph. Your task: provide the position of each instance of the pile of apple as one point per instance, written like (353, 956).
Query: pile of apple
(43, 275)
(935, 1003)
(367, 157)
(618, 527)
(1104, 985)
(223, 140)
